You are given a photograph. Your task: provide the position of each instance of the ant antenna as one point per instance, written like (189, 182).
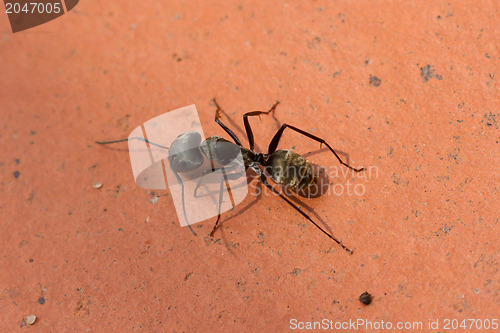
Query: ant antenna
(134, 138)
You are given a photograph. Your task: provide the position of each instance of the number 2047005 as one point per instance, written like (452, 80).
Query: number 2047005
(33, 8)
(471, 324)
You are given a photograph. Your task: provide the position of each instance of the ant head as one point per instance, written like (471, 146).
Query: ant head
(184, 154)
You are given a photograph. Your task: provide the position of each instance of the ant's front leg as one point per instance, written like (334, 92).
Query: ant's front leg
(227, 129)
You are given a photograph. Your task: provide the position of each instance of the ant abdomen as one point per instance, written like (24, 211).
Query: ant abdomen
(184, 154)
(290, 170)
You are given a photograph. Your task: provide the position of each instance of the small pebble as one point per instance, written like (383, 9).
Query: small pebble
(97, 185)
(365, 298)
(30, 320)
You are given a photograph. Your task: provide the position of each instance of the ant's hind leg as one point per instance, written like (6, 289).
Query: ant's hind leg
(264, 181)
(248, 128)
(276, 139)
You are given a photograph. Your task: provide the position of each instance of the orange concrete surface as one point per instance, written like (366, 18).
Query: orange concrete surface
(408, 89)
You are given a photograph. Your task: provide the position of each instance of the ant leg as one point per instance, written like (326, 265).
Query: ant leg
(264, 181)
(248, 128)
(227, 129)
(231, 176)
(276, 139)
(183, 203)
(134, 138)
(224, 180)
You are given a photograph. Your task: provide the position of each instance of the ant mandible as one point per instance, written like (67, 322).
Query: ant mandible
(285, 167)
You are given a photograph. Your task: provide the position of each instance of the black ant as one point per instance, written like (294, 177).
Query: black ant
(285, 167)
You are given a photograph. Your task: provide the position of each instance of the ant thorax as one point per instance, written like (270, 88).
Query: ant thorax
(220, 150)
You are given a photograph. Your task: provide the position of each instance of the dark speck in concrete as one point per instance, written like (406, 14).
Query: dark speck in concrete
(428, 73)
(375, 81)
(365, 298)
(490, 119)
